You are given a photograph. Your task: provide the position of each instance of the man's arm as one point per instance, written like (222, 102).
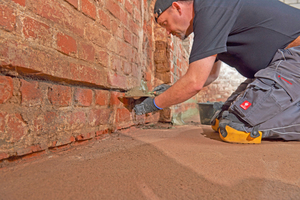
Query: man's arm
(189, 84)
(214, 73)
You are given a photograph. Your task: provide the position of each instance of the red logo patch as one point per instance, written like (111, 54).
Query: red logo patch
(245, 105)
(285, 80)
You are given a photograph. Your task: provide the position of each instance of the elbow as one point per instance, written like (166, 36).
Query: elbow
(196, 86)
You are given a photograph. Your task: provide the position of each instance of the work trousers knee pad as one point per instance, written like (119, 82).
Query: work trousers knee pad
(233, 130)
(218, 114)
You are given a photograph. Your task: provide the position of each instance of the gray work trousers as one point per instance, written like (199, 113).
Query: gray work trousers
(271, 101)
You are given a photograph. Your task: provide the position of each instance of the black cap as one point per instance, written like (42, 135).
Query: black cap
(161, 6)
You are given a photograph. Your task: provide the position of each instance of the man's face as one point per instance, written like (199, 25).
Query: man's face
(176, 22)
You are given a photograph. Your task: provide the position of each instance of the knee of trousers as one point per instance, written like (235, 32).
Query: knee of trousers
(232, 135)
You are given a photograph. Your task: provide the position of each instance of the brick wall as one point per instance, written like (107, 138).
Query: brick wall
(63, 65)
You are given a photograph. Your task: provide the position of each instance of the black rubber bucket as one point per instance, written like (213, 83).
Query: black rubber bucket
(207, 111)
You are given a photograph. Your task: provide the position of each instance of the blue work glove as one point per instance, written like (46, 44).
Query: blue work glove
(148, 105)
(161, 88)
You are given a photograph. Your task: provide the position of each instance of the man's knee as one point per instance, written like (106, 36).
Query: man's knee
(233, 130)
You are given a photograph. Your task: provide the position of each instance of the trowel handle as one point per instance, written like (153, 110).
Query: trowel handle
(155, 93)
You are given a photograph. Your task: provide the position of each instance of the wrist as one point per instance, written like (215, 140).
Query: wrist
(156, 105)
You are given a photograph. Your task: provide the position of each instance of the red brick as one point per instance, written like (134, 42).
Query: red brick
(128, 6)
(114, 101)
(37, 30)
(31, 94)
(134, 27)
(16, 127)
(127, 68)
(99, 117)
(88, 8)
(116, 64)
(97, 35)
(103, 58)
(77, 118)
(117, 81)
(60, 95)
(21, 2)
(73, 2)
(7, 18)
(127, 36)
(6, 88)
(123, 115)
(135, 70)
(125, 50)
(104, 19)
(102, 97)
(87, 52)
(124, 17)
(137, 15)
(3, 156)
(117, 30)
(135, 41)
(66, 44)
(113, 8)
(2, 122)
(45, 123)
(83, 97)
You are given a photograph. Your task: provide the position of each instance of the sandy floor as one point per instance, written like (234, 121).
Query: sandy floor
(186, 162)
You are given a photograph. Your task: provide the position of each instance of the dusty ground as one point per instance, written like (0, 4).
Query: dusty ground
(187, 162)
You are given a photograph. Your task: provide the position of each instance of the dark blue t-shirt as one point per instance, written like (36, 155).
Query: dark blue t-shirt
(244, 33)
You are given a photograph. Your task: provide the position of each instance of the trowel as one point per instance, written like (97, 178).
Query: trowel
(136, 95)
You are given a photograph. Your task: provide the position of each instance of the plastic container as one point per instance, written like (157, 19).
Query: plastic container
(207, 111)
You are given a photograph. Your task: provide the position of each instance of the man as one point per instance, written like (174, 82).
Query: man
(261, 39)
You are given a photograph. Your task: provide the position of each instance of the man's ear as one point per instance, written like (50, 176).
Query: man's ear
(177, 6)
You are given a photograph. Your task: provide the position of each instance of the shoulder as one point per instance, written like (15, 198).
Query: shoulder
(201, 4)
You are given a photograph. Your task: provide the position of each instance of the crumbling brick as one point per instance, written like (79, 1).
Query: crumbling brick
(31, 94)
(102, 97)
(83, 97)
(60, 95)
(7, 18)
(16, 127)
(6, 88)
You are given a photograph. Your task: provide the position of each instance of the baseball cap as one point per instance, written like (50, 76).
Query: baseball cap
(161, 6)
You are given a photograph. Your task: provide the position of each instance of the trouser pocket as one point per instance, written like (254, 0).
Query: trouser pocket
(269, 94)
